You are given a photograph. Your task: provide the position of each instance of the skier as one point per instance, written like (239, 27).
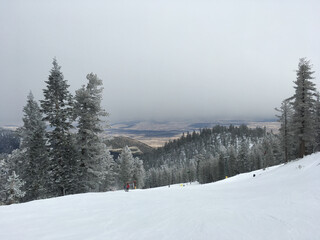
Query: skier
(128, 186)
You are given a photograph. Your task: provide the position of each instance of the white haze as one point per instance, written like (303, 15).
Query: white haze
(160, 60)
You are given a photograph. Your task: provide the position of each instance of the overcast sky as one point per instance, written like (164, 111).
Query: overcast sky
(160, 59)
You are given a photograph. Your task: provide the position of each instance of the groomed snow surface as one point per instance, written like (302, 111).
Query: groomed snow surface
(282, 202)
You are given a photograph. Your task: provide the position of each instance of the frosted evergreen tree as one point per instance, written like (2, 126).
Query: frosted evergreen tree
(36, 157)
(317, 122)
(110, 172)
(153, 178)
(13, 188)
(16, 161)
(303, 106)
(223, 170)
(191, 170)
(138, 174)
(268, 157)
(243, 156)
(182, 155)
(231, 160)
(257, 155)
(275, 157)
(57, 107)
(200, 158)
(92, 150)
(167, 175)
(126, 162)
(4, 171)
(285, 131)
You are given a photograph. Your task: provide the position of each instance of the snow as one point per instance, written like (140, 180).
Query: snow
(281, 202)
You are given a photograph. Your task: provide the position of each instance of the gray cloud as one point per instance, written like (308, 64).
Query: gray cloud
(168, 59)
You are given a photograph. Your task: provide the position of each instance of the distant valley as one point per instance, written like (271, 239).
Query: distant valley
(156, 133)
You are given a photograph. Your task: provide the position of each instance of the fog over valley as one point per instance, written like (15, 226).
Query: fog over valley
(165, 60)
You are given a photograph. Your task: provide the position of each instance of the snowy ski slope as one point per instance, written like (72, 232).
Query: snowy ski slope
(282, 202)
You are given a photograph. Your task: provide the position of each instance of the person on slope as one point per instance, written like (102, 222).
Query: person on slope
(128, 186)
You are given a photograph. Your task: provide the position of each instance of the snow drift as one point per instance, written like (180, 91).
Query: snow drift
(281, 202)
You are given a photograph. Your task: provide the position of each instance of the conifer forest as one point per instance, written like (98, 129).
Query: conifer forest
(61, 147)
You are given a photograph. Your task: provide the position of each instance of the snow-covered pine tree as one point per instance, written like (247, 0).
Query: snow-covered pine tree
(303, 106)
(231, 161)
(223, 170)
(13, 188)
(138, 174)
(167, 175)
(110, 172)
(274, 143)
(90, 145)
(153, 178)
(16, 161)
(58, 111)
(199, 158)
(257, 154)
(36, 157)
(242, 162)
(125, 160)
(317, 122)
(285, 131)
(4, 172)
(207, 171)
(191, 170)
(267, 158)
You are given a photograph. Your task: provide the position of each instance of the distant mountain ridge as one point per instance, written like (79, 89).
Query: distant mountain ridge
(118, 142)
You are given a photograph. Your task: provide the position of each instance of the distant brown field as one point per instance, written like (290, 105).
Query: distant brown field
(156, 134)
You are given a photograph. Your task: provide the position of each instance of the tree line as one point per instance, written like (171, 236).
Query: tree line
(213, 154)
(62, 148)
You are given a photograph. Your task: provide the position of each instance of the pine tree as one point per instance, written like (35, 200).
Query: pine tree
(138, 174)
(273, 151)
(223, 170)
(268, 158)
(200, 158)
(317, 123)
(303, 106)
(91, 147)
(243, 157)
(285, 131)
(34, 142)
(13, 188)
(4, 172)
(58, 111)
(231, 161)
(110, 172)
(257, 155)
(16, 161)
(126, 162)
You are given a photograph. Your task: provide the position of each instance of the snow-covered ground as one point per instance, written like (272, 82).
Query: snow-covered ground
(282, 202)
